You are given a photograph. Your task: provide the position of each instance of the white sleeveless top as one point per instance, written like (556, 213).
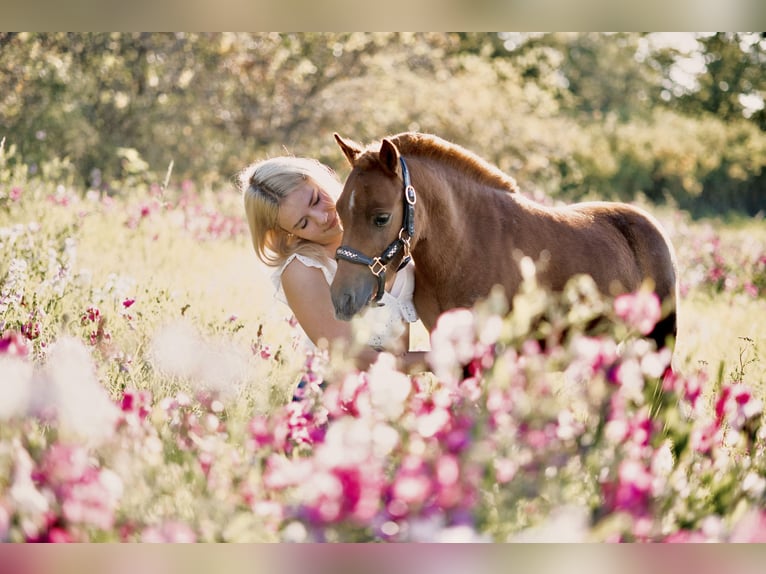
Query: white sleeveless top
(383, 324)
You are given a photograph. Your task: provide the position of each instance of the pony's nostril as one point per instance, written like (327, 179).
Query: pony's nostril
(344, 306)
(348, 304)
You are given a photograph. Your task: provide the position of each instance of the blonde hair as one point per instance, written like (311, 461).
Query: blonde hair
(264, 185)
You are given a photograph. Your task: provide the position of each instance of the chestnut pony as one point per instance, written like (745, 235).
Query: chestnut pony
(465, 225)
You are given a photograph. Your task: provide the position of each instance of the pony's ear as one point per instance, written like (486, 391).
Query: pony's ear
(389, 156)
(349, 148)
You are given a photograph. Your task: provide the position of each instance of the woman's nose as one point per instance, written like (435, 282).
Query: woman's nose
(322, 216)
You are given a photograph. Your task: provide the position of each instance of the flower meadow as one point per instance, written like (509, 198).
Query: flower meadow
(138, 403)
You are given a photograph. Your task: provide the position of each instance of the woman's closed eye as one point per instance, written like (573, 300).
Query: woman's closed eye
(314, 202)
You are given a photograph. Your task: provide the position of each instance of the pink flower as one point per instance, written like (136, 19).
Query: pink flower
(64, 463)
(631, 490)
(412, 484)
(89, 502)
(344, 492)
(128, 302)
(737, 404)
(15, 194)
(685, 537)
(640, 310)
(170, 531)
(704, 436)
(260, 433)
(751, 528)
(138, 402)
(92, 314)
(13, 344)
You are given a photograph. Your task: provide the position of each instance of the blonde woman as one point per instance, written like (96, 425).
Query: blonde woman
(290, 208)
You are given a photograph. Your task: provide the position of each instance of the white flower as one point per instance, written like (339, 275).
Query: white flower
(453, 343)
(753, 484)
(15, 383)
(23, 494)
(175, 348)
(81, 402)
(178, 350)
(461, 534)
(12, 289)
(348, 441)
(389, 388)
(294, 532)
(566, 524)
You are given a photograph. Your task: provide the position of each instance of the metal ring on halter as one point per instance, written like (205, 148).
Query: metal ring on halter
(410, 195)
(377, 270)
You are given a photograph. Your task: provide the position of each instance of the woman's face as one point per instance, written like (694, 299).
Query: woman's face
(309, 213)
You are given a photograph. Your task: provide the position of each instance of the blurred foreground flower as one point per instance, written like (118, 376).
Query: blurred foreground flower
(640, 310)
(68, 386)
(178, 350)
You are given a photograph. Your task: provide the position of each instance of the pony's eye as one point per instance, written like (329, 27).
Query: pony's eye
(381, 219)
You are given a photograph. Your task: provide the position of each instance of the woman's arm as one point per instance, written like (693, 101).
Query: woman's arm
(308, 296)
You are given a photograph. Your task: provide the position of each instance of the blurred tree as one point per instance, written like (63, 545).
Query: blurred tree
(575, 115)
(734, 82)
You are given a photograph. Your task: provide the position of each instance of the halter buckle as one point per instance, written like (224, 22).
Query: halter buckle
(377, 267)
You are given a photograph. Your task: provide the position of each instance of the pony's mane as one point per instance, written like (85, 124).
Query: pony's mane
(434, 147)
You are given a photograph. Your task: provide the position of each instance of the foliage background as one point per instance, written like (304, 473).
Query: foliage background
(569, 114)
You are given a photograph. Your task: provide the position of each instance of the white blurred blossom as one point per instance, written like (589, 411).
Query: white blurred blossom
(453, 343)
(389, 388)
(15, 392)
(179, 350)
(564, 525)
(26, 499)
(81, 403)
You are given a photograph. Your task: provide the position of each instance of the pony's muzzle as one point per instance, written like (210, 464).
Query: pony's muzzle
(345, 307)
(349, 302)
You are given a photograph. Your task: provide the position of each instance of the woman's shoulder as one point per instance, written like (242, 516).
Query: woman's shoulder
(298, 268)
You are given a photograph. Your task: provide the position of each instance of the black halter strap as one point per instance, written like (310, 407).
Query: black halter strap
(377, 265)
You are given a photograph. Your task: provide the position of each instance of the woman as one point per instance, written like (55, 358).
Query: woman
(290, 207)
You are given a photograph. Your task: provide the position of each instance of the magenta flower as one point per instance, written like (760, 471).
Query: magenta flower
(128, 303)
(737, 404)
(343, 492)
(411, 486)
(138, 402)
(704, 437)
(13, 344)
(640, 310)
(91, 315)
(631, 491)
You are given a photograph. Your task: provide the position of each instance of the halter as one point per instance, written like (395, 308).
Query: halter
(377, 265)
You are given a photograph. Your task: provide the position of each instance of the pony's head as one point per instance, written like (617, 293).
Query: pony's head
(372, 209)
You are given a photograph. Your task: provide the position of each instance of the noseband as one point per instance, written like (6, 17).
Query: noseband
(377, 265)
